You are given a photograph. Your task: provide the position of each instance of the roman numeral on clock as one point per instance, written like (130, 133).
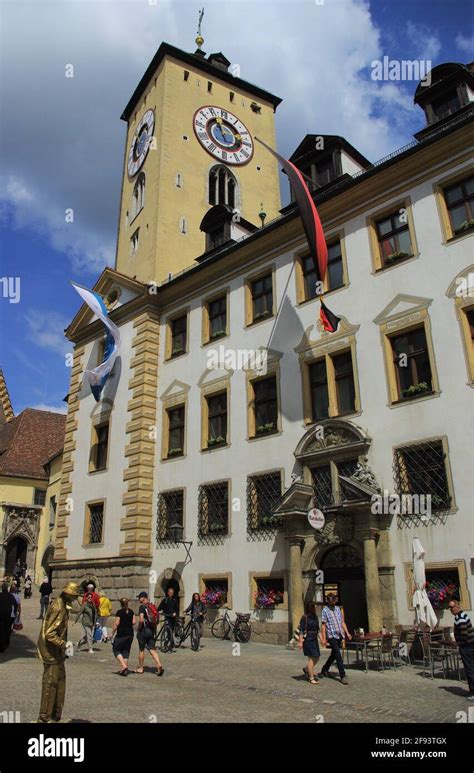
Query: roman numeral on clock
(202, 135)
(224, 155)
(211, 147)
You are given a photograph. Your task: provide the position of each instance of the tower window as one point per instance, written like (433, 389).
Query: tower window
(138, 196)
(179, 180)
(183, 226)
(231, 96)
(134, 242)
(222, 186)
(186, 75)
(209, 87)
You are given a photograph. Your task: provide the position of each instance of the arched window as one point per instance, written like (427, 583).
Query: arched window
(138, 196)
(222, 186)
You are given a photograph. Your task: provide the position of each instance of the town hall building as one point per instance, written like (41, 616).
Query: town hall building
(231, 413)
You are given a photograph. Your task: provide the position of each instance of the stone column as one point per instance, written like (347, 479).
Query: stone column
(296, 582)
(372, 585)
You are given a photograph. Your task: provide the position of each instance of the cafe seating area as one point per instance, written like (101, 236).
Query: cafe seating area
(434, 652)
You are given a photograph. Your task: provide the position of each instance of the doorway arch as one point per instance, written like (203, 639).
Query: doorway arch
(17, 548)
(343, 566)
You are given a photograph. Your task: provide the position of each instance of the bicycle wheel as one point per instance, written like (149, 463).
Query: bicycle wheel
(178, 634)
(195, 638)
(166, 639)
(242, 632)
(220, 628)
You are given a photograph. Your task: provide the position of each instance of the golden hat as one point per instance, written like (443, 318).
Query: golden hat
(72, 589)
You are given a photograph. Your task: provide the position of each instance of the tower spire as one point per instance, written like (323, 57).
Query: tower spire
(199, 37)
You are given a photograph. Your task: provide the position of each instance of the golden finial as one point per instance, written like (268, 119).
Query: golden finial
(199, 38)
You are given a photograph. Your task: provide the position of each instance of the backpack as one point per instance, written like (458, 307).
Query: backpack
(152, 615)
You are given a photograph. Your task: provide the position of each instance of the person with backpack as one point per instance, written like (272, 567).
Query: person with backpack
(308, 640)
(147, 621)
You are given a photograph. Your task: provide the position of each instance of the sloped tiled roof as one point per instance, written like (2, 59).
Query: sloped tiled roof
(28, 441)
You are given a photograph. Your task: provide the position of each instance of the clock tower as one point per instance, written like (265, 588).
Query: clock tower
(190, 146)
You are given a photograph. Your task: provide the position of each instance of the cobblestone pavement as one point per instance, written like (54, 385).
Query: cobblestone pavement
(263, 684)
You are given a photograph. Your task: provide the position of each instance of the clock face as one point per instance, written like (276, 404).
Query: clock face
(140, 143)
(223, 135)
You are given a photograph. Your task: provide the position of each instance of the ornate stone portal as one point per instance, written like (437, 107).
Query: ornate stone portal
(20, 521)
(349, 517)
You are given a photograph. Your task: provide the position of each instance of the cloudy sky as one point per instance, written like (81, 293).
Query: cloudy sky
(62, 138)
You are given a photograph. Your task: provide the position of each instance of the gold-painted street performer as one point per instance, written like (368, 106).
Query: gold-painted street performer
(52, 651)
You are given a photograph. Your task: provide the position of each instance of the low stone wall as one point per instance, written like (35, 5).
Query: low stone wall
(114, 581)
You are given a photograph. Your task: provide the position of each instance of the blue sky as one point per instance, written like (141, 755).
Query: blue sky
(61, 139)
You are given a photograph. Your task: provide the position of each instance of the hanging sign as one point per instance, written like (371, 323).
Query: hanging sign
(316, 519)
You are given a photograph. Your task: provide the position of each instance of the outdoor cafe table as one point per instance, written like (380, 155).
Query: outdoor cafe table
(362, 645)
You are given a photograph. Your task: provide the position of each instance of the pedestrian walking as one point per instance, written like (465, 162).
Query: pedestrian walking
(7, 604)
(90, 591)
(16, 624)
(147, 622)
(88, 616)
(464, 635)
(122, 635)
(308, 640)
(197, 610)
(28, 584)
(333, 633)
(52, 652)
(45, 592)
(105, 610)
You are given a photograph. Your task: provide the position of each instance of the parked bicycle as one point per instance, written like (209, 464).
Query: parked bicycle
(183, 630)
(240, 627)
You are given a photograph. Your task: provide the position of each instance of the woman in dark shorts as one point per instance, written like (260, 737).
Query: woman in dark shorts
(308, 642)
(122, 635)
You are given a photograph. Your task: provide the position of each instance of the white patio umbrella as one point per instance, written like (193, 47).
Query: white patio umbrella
(423, 609)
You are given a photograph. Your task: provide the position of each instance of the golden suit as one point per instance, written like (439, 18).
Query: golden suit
(51, 650)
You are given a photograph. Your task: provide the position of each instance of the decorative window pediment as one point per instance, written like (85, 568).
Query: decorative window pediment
(177, 389)
(331, 436)
(403, 308)
(309, 348)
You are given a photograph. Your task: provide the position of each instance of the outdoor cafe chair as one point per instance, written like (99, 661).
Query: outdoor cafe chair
(383, 651)
(434, 655)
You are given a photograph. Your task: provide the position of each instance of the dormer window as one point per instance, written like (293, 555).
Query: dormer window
(446, 105)
(325, 171)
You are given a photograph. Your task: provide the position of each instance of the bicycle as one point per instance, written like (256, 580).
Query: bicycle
(240, 627)
(182, 630)
(166, 636)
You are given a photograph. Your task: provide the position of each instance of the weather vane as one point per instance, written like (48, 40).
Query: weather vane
(199, 38)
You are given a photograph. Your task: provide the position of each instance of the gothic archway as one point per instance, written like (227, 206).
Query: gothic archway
(16, 549)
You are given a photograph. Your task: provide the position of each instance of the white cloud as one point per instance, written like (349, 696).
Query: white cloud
(427, 42)
(46, 330)
(465, 44)
(316, 57)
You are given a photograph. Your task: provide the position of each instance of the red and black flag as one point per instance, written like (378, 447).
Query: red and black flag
(313, 230)
(329, 320)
